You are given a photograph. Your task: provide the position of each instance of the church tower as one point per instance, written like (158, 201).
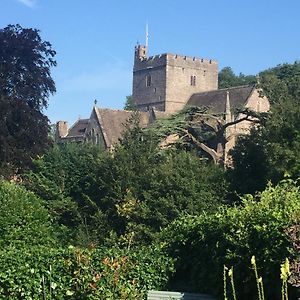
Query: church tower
(166, 82)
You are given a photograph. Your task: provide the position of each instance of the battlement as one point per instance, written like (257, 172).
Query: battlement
(150, 62)
(174, 60)
(167, 81)
(186, 59)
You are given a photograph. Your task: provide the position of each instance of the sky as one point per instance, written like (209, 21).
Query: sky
(95, 40)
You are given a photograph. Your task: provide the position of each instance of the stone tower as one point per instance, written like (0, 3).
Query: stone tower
(167, 81)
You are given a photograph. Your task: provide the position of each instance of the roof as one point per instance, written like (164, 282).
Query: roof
(160, 114)
(112, 123)
(216, 100)
(79, 128)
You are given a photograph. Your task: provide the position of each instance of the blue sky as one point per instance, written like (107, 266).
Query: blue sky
(95, 40)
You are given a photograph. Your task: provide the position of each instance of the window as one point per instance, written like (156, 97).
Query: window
(148, 80)
(193, 80)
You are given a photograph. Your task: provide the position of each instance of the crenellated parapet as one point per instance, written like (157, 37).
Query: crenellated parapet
(166, 81)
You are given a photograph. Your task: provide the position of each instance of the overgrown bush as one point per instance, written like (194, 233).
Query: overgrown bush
(24, 221)
(203, 244)
(75, 273)
(131, 192)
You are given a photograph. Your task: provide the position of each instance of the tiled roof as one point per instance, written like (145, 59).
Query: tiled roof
(216, 100)
(112, 123)
(79, 128)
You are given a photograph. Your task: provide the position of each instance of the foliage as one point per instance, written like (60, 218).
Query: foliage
(23, 135)
(131, 192)
(228, 79)
(203, 244)
(25, 85)
(272, 150)
(129, 105)
(25, 66)
(142, 188)
(76, 273)
(66, 178)
(23, 219)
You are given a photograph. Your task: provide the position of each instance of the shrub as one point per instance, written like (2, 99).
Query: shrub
(76, 273)
(23, 219)
(203, 244)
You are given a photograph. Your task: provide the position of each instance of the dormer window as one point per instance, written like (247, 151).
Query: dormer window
(193, 80)
(148, 80)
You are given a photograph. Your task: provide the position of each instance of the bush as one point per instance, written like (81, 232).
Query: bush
(23, 219)
(75, 273)
(203, 244)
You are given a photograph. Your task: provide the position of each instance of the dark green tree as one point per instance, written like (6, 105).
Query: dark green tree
(66, 178)
(25, 85)
(129, 105)
(129, 193)
(25, 66)
(272, 151)
(228, 79)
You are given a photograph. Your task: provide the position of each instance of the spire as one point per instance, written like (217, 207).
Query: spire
(147, 35)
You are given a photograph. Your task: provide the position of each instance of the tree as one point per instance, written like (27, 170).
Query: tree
(136, 188)
(25, 85)
(25, 66)
(65, 178)
(197, 128)
(272, 151)
(129, 105)
(228, 79)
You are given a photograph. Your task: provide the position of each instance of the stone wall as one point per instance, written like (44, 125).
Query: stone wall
(143, 96)
(180, 69)
(170, 74)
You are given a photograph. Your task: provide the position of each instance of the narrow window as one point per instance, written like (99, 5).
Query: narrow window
(148, 80)
(193, 80)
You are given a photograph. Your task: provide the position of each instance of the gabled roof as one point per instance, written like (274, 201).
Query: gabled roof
(216, 100)
(112, 123)
(79, 128)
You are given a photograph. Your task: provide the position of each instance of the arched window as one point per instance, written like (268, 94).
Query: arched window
(148, 80)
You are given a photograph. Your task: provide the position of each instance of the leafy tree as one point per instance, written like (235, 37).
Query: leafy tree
(196, 128)
(228, 79)
(25, 66)
(66, 178)
(272, 150)
(147, 187)
(23, 135)
(117, 193)
(25, 85)
(129, 105)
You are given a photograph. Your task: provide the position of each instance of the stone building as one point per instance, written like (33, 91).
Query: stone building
(167, 81)
(104, 127)
(162, 85)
